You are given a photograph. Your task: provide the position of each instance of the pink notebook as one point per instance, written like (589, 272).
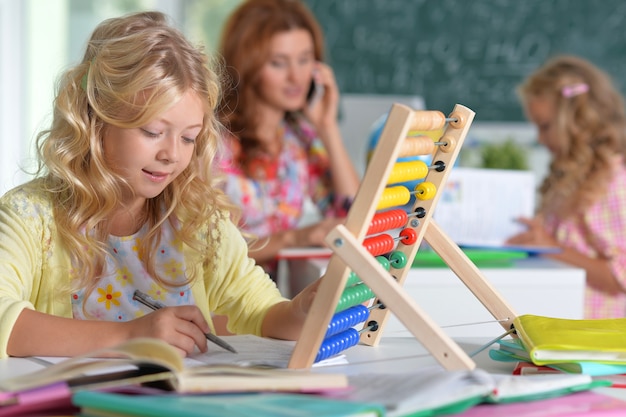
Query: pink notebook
(587, 403)
(57, 397)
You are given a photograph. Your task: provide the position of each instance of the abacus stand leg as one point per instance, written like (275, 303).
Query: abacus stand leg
(467, 272)
(447, 352)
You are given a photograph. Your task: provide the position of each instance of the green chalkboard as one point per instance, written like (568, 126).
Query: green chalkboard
(473, 52)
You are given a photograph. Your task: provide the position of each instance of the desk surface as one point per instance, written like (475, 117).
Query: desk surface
(393, 354)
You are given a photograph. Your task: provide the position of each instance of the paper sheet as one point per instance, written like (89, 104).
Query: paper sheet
(479, 207)
(254, 351)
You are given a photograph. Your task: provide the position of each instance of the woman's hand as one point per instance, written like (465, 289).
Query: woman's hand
(315, 234)
(183, 327)
(323, 112)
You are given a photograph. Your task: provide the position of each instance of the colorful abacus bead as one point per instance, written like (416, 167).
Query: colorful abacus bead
(346, 319)
(387, 220)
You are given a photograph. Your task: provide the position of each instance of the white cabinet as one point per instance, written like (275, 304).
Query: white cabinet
(531, 286)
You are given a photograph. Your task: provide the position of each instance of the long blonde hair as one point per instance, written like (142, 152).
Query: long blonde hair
(134, 68)
(591, 130)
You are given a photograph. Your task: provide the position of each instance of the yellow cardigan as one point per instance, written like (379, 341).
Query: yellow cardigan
(34, 269)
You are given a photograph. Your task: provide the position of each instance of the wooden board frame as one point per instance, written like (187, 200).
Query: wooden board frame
(349, 254)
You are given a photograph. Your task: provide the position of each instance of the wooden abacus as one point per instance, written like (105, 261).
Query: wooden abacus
(357, 263)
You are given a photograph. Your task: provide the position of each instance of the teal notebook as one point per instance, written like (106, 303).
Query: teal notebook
(512, 350)
(101, 404)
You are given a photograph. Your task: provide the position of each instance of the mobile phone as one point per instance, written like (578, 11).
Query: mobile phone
(316, 91)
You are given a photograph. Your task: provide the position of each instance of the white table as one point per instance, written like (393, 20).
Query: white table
(392, 354)
(17, 366)
(532, 285)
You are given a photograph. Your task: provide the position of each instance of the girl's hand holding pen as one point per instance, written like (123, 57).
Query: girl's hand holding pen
(183, 327)
(154, 305)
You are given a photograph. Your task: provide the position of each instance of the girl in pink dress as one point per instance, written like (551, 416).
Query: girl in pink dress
(580, 119)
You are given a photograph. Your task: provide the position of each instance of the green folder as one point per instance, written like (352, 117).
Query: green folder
(480, 257)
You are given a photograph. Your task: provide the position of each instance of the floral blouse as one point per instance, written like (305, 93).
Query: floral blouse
(272, 190)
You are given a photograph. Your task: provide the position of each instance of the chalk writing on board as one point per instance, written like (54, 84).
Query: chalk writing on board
(469, 52)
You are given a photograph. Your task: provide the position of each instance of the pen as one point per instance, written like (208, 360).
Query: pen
(149, 302)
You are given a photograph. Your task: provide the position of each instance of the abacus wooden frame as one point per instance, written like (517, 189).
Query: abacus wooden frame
(346, 241)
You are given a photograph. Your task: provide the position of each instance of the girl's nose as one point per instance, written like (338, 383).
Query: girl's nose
(169, 150)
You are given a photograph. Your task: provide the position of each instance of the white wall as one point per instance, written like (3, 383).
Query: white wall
(11, 98)
(35, 46)
(33, 36)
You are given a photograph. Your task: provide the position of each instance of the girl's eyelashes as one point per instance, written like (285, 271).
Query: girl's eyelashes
(149, 133)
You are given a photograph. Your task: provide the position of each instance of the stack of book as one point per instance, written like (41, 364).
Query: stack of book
(595, 347)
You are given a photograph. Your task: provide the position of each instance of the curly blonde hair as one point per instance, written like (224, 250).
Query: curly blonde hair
(134, 68)
(591, 130)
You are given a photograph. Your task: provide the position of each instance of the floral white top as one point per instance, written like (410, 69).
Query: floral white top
(112, 299)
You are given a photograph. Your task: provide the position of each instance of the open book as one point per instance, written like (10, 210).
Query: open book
(479, 208)
(156, 363)
(432, 391)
